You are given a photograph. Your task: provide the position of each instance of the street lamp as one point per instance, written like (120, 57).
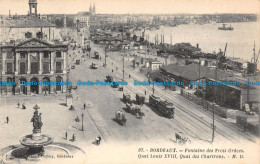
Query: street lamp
(82, 129)
(1, 83)
(13, 80)
(105, 56)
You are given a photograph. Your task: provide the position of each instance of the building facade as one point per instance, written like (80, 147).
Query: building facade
(33, 57)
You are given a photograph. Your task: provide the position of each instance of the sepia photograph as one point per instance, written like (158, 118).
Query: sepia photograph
(129, 81)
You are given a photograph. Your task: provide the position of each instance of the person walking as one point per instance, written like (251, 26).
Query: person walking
(145, 92)
(112, 70)
(18, 105)
(66, 135)
(73, 137)
(7, 119)
(84, 106)
(99, 139)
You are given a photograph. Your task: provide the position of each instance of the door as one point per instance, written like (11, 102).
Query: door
(22, 68)
(9, 68)
(58, 67)
(46, 68)
(34, 68)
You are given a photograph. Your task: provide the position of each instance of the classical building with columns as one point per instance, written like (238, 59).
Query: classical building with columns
(32, 51)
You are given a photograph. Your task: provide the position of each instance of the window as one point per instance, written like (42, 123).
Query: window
(9, 68)
(58, 67)
(9, 55)
(22, 55)
(58, 54)
(46, 55)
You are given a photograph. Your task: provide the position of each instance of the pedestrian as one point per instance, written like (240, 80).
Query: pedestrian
(99, 139)
(73, 137)
(66, 135)
(7, 119)
(129, 76)
(18, 105)
(145, 92)
(112, 70)
(84, 106)
(45, 93)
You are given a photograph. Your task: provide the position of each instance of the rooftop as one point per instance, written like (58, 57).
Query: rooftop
(191, 72)
(28, 22)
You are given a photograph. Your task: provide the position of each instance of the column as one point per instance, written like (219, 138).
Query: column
(17, 64)
(28, 89)
(29, 63)
(52, 88)
(65, 62)
(40, 61)
(3, 64)
(40, 89)
(52, 62)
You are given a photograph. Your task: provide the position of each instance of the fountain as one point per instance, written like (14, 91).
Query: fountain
(38, 147)
(36, 141)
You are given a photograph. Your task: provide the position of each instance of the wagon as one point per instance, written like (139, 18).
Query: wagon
(109, 78)
(127, 97)
(140, 99)
(93, 66)
(120, 118)
(134, 109)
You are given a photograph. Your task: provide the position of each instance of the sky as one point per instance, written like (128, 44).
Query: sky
(133, 6)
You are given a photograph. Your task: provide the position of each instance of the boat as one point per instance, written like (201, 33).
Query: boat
(225, 28)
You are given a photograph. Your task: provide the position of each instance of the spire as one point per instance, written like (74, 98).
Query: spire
(94, 9)
(90, 9)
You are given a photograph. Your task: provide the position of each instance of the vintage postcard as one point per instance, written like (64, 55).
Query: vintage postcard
(129, 81)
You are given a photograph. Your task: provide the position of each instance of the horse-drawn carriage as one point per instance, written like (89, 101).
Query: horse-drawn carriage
(109, 78)
(134, 109)
(127, 97)
(120, 118)
(181, 139)
(140, 98)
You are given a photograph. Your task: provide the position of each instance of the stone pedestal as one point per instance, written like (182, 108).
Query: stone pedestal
(36, 134)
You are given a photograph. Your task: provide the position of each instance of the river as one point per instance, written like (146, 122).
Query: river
(240, 41)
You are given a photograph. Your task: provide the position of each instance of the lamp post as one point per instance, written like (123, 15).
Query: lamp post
(105, 56)
(1, 83)
(13, 80)
(82, 129)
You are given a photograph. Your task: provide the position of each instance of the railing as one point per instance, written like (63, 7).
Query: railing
(221, 111)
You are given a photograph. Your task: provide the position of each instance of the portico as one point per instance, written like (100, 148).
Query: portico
(36, 59)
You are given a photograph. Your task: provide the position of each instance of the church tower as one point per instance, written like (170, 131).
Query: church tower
(90, 9)
(94, 9)
(65, 21)
(33, 7)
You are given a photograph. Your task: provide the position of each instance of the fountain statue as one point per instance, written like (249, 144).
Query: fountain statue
(36, 141)
(37, 147)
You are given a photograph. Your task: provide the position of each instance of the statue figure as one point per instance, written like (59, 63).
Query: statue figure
(37, 122)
